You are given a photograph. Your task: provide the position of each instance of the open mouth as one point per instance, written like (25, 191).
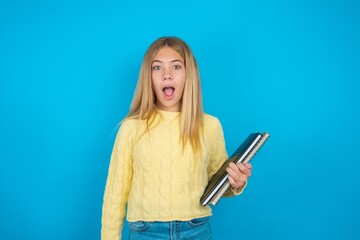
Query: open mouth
(168, 91)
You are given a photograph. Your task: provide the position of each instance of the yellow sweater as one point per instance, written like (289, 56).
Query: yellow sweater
(155, 177)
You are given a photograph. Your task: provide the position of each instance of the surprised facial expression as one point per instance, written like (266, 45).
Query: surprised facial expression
(168, 79)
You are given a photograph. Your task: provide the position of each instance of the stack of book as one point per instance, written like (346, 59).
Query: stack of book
(219, 183)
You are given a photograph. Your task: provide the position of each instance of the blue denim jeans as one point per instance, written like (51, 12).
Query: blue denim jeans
(198, 228)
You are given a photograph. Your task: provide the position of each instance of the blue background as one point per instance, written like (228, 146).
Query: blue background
(68, 70)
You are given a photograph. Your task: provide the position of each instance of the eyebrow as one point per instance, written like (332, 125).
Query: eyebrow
(175, 60)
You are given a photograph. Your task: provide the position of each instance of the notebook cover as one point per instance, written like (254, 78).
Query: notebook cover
(220, 177)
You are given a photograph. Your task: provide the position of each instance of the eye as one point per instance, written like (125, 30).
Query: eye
(156, 67)
(177, 67)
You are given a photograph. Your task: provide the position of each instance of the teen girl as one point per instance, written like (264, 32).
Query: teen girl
(165, 152)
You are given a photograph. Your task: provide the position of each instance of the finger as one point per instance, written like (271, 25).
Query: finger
(233, 166)
(237, 176)
(234, 173)
(233, 183)
(240, 170)
(248, 165)
(237, 181)
(245, 170)
(231, 180)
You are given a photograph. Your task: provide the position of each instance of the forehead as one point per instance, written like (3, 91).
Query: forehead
(167, 54)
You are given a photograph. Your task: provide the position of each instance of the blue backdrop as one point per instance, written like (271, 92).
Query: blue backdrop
(68, 70)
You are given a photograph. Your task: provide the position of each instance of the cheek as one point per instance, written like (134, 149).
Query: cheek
(182, 82)
(155, 81)
(153, 78)
(156, 75)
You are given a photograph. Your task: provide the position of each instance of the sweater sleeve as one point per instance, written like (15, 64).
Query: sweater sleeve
(117, 185)
(218, 154)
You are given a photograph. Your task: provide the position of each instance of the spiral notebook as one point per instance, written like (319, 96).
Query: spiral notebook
(219, 183)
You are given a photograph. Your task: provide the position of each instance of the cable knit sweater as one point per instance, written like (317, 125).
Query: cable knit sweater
(157, 178)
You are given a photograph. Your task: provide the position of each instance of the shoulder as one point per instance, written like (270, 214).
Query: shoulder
(128, 127)
(212, 124)
(213, 131)
(129, 123)
(211, 121)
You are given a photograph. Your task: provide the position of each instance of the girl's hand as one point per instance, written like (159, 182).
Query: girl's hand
(238, 174)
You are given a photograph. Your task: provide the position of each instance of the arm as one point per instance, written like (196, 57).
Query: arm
(218, 154)
(117, 185)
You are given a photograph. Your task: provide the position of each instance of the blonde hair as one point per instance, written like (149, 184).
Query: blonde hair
(143, 103)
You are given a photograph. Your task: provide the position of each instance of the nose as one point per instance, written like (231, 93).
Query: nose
(167, 74)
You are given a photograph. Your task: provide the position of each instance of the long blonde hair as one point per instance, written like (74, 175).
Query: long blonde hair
(143, 103)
